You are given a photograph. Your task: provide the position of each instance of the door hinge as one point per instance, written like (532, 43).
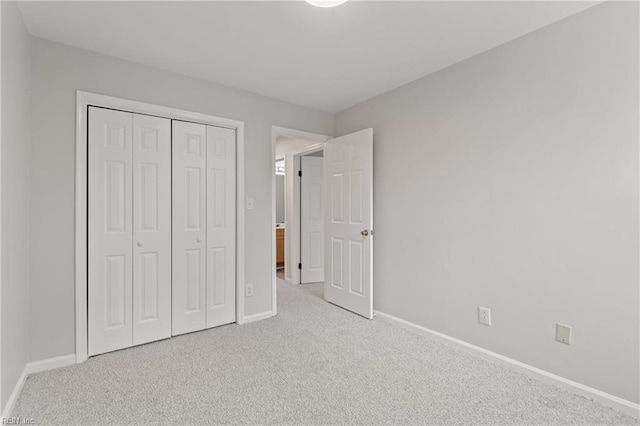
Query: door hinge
(300, 173)
(299, 265)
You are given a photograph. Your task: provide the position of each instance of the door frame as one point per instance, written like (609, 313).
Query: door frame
(83, 101)
(291, 253)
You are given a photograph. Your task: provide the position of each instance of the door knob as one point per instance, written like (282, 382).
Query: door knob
(140, 244)
(365, 233)
(199, 240)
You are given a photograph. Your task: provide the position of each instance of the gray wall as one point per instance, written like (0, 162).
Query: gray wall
(57, 72)
(285, 145)
(15, 213)
(510, 181)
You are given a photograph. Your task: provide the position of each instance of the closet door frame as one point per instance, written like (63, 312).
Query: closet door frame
(83, 101)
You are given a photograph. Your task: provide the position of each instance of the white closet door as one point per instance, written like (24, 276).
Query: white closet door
(110, 230)
(151, 228)
(189, 227)
(221, 226)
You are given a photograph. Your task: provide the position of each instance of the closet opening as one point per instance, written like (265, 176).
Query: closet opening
(159, 223)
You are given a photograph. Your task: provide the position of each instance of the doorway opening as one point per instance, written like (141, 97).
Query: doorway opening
(280, 172)
(338, 196)
(287, 147)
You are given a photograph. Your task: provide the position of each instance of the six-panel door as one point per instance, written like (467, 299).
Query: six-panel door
(349, 222)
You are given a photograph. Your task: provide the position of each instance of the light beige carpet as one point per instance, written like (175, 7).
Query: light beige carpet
(312, 364)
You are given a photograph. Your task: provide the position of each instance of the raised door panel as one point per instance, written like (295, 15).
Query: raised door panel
(110, 259)
(151, 228)
(336, 266)
(193, 281)
(115, 294)
(189, 159)
(221, 226)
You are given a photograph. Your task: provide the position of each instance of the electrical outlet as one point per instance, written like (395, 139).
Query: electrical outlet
(484, 316)
(248, 290)
(563, 333)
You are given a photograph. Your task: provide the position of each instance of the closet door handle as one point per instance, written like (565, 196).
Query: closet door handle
(140, 243)
(198, 240)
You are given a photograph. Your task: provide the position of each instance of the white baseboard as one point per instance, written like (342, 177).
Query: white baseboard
(257, 317)
(15, 393)
(50, 364)
(604, 398)
(622, 405)
(35, 367)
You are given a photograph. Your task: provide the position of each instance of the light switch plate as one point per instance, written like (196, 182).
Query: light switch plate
(250, 204)
(563, 333)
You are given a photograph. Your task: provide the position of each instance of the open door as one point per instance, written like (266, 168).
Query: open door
(311, 221)
(348, 183)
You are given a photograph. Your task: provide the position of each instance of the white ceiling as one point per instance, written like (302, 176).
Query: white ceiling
(327, 59)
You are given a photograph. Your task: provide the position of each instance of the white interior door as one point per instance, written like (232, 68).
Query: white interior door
(311, 220)
(110, 266)
(151, 228)
(221, 226)
(189, 227)
(349, 222)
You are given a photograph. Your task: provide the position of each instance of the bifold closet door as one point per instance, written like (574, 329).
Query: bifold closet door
(110, 266)
(204, 228)
(151, 228)
(129, 228)
(221, 226)
(189, 226)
